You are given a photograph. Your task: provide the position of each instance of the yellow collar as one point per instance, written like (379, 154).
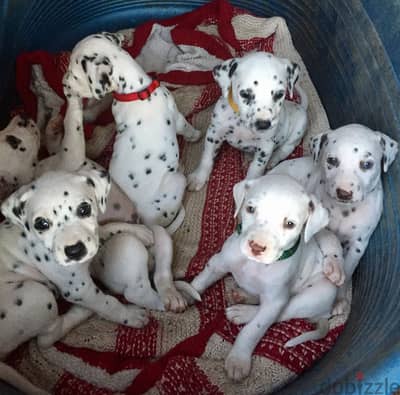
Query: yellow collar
(232, 102)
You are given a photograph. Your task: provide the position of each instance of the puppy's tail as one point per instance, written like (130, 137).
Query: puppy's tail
(11, 376)
(319, 332)
(303, 96)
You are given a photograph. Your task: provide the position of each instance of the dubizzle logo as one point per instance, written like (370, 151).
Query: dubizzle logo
(363, 386)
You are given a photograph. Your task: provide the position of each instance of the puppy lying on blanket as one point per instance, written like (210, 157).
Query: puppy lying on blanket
(145, 163)
(270, 256)
(252, 113)
(48, 242)
(345, 173)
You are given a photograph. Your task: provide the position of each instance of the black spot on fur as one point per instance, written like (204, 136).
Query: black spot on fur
(233, 67)
(13, 141)
(90, 182)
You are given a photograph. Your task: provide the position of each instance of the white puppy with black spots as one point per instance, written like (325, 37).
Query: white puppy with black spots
(50, 242)
(345, 174)
(145, 162)
(19, 147)
(252, 113)
(274, 256)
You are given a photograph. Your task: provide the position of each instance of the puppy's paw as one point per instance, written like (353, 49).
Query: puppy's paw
(135, 317)
(341, 307)
(241, 313)
(237, 365)
(173, 300)
(192, 134)
(196, 180)
(333, 269)
(188, 292)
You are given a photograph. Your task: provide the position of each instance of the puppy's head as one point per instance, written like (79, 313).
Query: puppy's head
(58, 213)
(351, 159)
(19, 147)
(273, 211)
(257, 83)
(90, 72)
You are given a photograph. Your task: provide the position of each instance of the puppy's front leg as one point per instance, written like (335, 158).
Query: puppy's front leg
(332, 253)
(218, 265)
(259, 163)
(238, 361)
(212, 144)
(353, 251)
(84, 292)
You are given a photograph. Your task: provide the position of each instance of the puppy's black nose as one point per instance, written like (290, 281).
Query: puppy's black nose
(344, 195)
(76, 251)
(262, 124)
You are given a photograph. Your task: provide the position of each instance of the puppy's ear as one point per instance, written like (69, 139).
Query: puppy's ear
(318, 218)
(317, 143)
(116, 38)
(13, 208)
(389, 149)
(239, 193)
(100, 180)
(292, 75)
(99, 73)
(223, 74)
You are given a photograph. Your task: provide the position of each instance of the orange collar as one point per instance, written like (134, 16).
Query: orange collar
(232, 102)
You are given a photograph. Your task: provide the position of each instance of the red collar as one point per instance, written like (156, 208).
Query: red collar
(141, 95)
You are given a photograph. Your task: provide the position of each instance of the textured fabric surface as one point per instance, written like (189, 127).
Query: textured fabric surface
(181, 353)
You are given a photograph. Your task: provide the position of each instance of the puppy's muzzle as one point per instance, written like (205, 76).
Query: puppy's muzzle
(256, 249)
(262, 124)
(343, 194)
(76, 251)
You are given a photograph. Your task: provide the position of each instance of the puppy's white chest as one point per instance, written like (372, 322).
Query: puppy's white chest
(256, 278)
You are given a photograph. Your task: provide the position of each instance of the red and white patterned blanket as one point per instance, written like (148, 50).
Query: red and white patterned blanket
(181, 353)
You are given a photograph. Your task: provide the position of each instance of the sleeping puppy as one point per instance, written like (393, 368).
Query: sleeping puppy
(274, 256)
(345, 173)
(252, 113)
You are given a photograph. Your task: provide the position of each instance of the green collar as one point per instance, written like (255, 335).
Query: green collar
(291, 251)
(285, 254)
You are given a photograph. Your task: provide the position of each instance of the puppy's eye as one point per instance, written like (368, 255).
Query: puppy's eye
(84, 210)
(288, 224)
(251, 209)
(41, 224)
(278, 95)
(332, 161)
(366, 164)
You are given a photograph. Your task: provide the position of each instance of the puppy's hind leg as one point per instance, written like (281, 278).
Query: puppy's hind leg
(314, 301)
(63, 324)
(166, 209)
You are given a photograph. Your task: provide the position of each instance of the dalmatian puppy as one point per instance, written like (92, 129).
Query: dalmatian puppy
(345, 173)
(47, 242)
(252, 113)
(274, 256)
(19, 147)
(50, 241)
(145, 163)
